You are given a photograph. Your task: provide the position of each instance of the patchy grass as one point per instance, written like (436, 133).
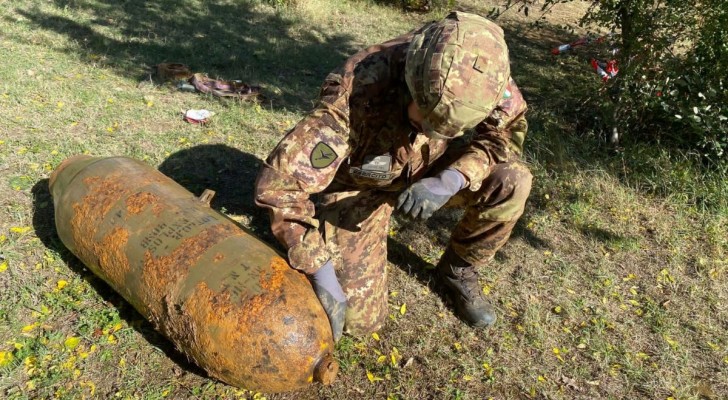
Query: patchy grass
(613, 285)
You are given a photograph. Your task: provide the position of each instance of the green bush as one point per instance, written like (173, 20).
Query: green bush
(673, 60)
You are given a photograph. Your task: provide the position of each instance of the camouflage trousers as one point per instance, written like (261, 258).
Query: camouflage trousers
(355, 227)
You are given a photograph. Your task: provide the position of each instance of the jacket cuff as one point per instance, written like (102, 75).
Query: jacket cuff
(310, 254)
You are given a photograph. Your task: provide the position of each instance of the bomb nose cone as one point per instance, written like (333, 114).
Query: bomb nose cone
(326, 370)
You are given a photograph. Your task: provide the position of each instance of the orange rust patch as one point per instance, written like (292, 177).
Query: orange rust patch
(112, 257)
(162, 273)
(101, 196)
(279, 267)
(87, 215)
(271, 281)
(91, 210)
(136, 203)
(206, 309)
(106, 256)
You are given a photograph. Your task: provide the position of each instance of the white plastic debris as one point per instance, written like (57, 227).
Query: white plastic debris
(198, 116)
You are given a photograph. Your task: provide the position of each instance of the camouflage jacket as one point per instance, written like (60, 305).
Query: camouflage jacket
(359, 137)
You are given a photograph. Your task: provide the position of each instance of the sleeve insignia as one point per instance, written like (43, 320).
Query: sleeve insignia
(322, 155)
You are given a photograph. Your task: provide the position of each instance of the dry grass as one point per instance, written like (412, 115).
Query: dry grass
(604, 291)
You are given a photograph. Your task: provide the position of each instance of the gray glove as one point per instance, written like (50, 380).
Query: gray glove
(426, 196)
(329, 292)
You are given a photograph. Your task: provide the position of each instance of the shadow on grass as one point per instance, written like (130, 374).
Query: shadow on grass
(230, 172)
(45, 228)
(231, 39)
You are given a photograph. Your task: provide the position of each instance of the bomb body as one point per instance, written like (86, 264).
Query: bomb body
(225, 298)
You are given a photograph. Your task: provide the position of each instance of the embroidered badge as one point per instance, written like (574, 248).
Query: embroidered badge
(322, 155)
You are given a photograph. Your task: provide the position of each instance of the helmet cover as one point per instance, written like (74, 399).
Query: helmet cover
(456, 71)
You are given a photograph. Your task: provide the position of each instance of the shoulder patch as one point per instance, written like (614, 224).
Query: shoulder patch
(322, 155)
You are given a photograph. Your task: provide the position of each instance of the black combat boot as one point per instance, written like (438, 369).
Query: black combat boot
(461, 283)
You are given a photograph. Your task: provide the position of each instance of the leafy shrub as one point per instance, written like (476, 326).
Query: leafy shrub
(673, 60)
(673, 57)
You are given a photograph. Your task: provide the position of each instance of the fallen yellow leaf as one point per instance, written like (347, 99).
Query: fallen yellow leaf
(403, 308)
(671, 342)
(394, 355)
(3, 266)
(20, 229)
(71, 342)
(488, 370)
(375, 336)
(6, 358)
(91, 386)
(372, 378)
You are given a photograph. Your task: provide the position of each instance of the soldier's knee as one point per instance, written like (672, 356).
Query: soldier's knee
(516, 179)
(504, 197)
(523, 181)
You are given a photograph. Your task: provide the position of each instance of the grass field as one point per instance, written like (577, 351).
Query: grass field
(613, 285)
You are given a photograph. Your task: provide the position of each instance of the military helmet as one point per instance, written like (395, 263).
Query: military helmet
(456, 71)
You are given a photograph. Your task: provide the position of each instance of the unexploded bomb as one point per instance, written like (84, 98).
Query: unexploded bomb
(223, 297)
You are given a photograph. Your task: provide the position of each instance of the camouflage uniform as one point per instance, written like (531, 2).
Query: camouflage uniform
(357, 151)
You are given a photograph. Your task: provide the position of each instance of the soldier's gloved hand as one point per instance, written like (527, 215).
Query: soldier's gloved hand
(426, 196)
(332, 297)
